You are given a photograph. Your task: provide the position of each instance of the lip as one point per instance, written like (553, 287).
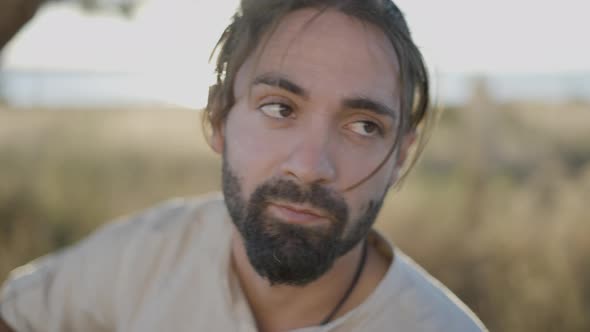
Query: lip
(296, 214)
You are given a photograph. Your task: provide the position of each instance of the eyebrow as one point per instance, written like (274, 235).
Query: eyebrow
(281, 82)
(364, 103)
(368, 104)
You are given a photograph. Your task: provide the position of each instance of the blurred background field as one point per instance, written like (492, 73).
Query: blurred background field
(499, 214)
(498, 208)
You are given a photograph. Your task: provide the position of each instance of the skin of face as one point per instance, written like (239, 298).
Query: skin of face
(317, 103)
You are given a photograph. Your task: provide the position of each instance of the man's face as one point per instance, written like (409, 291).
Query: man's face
(317, 110)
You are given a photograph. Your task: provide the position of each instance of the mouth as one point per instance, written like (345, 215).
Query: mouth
(297, 214)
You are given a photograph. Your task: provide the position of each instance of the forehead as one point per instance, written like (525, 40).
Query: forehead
(327, 53)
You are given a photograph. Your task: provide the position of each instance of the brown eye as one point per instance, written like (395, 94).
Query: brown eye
(276, 110)
(370, 127)
(365, 128)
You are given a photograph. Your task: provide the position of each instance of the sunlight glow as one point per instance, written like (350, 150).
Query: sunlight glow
(170, 41)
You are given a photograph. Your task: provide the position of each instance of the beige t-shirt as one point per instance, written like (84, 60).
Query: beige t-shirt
(168, 269)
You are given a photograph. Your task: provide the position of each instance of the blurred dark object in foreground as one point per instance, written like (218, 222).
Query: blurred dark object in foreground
(14, 14)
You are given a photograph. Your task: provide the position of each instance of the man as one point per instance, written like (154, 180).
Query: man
(316, 107)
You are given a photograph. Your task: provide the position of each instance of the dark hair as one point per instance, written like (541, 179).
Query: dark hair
(256, 18)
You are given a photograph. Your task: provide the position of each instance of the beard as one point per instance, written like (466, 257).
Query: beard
(289, 254)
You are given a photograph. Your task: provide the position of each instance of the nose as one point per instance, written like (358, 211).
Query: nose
(310, 159)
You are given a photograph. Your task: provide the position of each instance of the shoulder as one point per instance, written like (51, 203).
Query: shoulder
(170, 215)
(423, 303)
(127, 241)
(170, 226)
(408, 299)
(161, 222)
(110, 271)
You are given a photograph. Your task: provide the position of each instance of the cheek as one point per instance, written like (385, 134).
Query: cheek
(251, 151)
(362, 173)
(372, 190)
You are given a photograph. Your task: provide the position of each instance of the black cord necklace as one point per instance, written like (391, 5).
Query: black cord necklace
(357, 275)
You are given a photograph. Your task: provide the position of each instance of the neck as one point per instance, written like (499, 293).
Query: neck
(282, 307)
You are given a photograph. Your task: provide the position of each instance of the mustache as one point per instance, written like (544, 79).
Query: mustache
(314, 195)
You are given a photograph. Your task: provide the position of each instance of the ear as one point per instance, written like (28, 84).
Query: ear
(216, 141)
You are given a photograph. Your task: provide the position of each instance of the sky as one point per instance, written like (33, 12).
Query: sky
(162, 36)
(502, 36)
(174, 38)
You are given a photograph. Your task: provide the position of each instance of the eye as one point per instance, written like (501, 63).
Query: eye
(365, 128)
(276, 110)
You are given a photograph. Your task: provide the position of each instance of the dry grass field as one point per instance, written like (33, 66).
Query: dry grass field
(498, 208)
